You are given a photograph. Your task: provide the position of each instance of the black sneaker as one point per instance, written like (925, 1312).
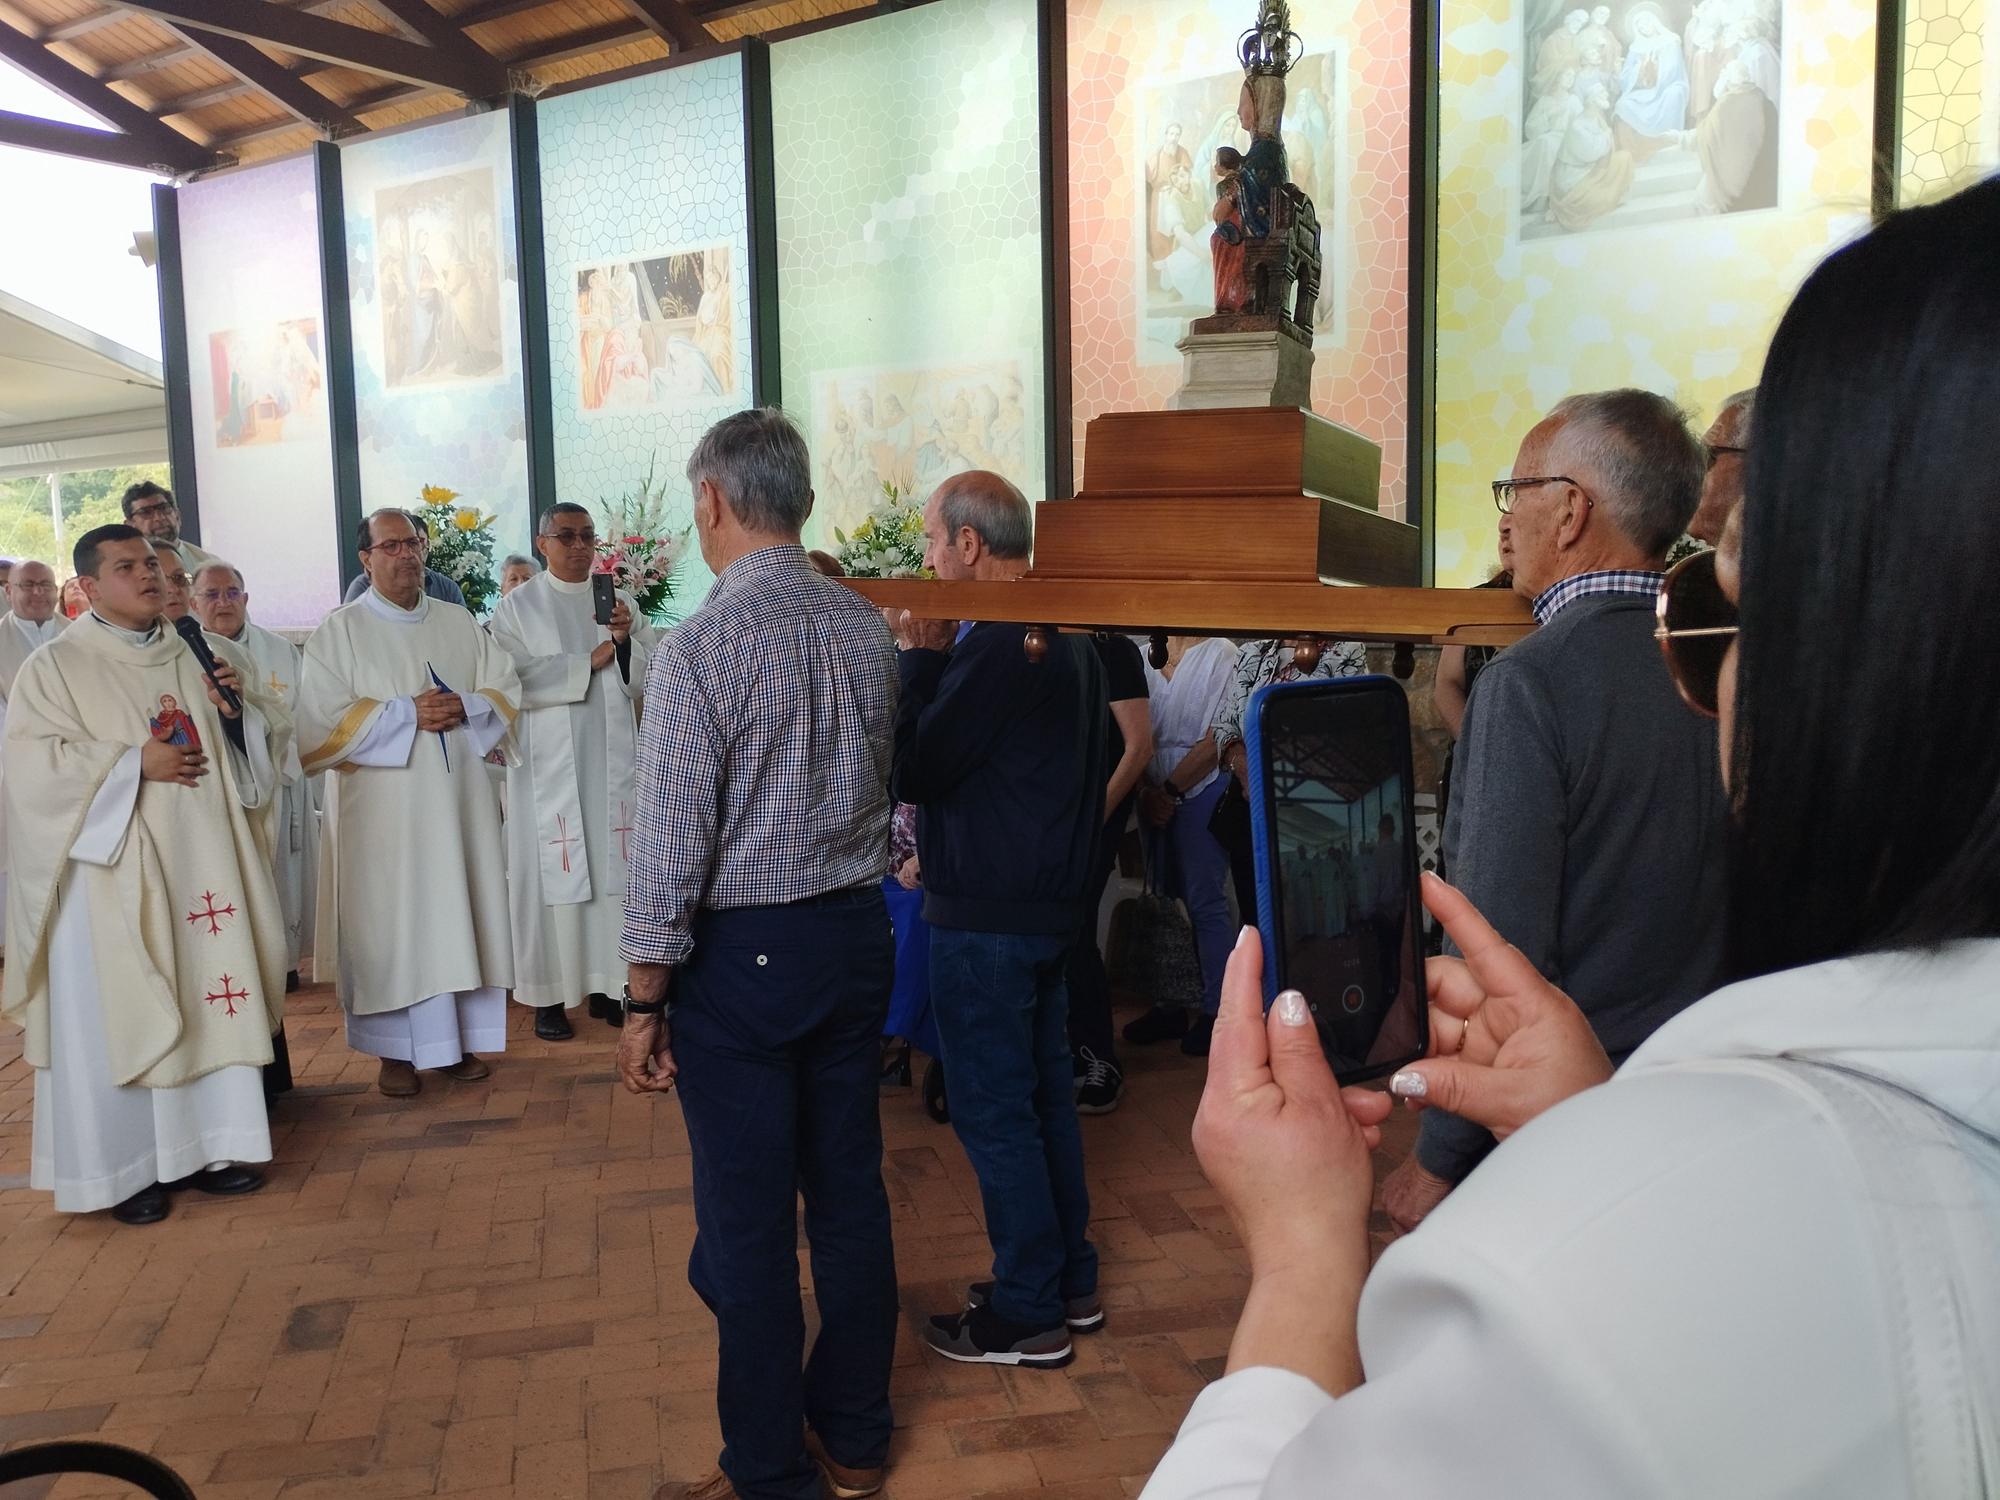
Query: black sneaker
(1160, 1024)
(1195, 1043)
(1099, 1086)
(1082, 1314)
(978, 1336)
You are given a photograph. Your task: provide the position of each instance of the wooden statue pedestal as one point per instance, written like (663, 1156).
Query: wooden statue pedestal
(1245, 495)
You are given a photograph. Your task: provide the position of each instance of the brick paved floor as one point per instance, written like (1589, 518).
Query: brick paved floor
(481, 1292)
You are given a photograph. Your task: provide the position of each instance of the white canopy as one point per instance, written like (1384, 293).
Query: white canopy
(72, 399)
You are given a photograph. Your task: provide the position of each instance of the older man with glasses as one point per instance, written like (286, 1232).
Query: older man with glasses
(1587, 814)
(152, 509)
(222, 604)
(436, 585)
(1728, 444)
(570, 798)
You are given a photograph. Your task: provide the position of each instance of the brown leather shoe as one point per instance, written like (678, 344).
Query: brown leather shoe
(398, 1079)
(845, 1483)
(715, 1487)
(468, 1069)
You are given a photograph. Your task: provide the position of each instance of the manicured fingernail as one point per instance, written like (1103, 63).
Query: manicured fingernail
(1292, 1009)
(1242, 936)
(1409, 1084)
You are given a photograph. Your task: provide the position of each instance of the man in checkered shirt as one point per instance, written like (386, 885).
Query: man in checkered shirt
(755, 906)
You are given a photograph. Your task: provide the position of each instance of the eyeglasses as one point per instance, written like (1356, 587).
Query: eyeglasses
(1718, 451)
(34, 588)
(1504, 496)
(401, 546)
(572, 538)
(1696, 626)
(178, 580)
(147, 512)
(220, 596)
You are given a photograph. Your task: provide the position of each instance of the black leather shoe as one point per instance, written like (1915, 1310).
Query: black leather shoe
(291, 981)
(610, 1012)
(147, 1206)
(552, 1024)
(223, 1182)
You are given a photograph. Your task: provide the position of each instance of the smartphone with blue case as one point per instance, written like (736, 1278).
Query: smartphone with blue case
(1333, 833)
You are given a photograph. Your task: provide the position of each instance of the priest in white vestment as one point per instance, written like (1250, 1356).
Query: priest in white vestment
(569, 789)
(31, 621)
(403, 695)
(222, 603)
(147, 965)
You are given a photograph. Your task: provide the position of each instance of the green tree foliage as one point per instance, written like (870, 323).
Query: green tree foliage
(89, 498)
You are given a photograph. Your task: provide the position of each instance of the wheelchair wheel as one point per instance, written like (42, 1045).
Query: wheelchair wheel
(140, 1470)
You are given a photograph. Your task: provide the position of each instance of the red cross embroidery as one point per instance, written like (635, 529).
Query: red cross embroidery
(565, 838)
(228, 995)
(212, 915)
(624, 828)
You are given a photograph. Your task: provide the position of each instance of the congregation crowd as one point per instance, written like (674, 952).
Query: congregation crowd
(758, 842)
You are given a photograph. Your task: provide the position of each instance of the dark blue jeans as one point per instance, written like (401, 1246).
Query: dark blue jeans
(1002, 1013)
(777, 1019)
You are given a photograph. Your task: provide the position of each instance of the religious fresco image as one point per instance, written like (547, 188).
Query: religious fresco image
(437, 273)
(1648, 112)
(656, 331)
(268, 383)
(914, 429)
(1182, 124)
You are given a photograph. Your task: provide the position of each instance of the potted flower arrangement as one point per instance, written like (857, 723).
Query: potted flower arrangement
(638, 546)
(461, 545)
(889, 542)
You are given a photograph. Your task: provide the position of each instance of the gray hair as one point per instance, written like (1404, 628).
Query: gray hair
(1746, 403)
(519, 560)
(1646, 464)
(217, 565)
(992, 507)
(560, 508)
(757, 459)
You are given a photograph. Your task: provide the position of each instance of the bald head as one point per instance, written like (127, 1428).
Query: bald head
(1728, 441)
(220, 601)
(31, 591)
(977, 525)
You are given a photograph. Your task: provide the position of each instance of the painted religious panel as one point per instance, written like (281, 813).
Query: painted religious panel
(268, 384)
(656, 331)
(1181, 125)
(912, 429)
(437, 279)
(1645, 112)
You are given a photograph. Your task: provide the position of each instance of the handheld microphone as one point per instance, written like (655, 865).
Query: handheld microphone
(190, 629)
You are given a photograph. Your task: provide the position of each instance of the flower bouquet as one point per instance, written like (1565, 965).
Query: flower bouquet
(638, 546)
(461, 545)
(889, 542)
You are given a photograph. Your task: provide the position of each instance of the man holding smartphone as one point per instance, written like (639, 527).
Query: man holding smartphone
(582, 655)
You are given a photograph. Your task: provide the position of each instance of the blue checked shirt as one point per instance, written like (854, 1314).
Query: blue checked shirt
(763, 764)
(1557, 597)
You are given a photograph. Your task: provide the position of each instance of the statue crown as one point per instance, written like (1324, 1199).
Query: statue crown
(1270, 47)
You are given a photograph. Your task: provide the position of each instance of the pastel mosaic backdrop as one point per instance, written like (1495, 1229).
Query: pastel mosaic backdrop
(468, 432)
(1951, 93)
(632, 170)
(1685, 308)
(1118, 49)
(263, 451)
(909, 243)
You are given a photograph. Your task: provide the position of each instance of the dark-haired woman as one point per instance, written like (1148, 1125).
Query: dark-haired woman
(1764, 1260)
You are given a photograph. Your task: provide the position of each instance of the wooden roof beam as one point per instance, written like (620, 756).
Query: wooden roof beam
(117, 147)
(167, 145)
(280, 85)
(672, 20)
(333, 42)
(417, 20)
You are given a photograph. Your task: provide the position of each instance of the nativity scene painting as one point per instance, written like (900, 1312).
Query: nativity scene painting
(1644, 112)
(656, 331)
(1192, 144)
(437, 276)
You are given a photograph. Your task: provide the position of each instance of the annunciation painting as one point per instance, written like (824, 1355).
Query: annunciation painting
(269, 385)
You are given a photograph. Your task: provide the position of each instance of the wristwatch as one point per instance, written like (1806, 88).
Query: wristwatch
(641, 1007)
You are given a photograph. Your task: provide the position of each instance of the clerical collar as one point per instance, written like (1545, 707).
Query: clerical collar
(130, 637)
(48, 630)
(567, 588)
(388, 609)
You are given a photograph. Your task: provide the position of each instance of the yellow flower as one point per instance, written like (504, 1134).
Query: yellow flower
(466, 519)
(437, 494)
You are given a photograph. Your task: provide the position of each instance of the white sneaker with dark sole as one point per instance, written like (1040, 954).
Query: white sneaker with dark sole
(1082, 1314)
(978, 1337)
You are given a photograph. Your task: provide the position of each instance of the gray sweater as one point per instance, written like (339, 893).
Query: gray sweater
(1587, 818)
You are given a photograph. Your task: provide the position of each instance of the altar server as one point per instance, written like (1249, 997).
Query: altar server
(148, 952)
(403, 694)
(569, 791)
